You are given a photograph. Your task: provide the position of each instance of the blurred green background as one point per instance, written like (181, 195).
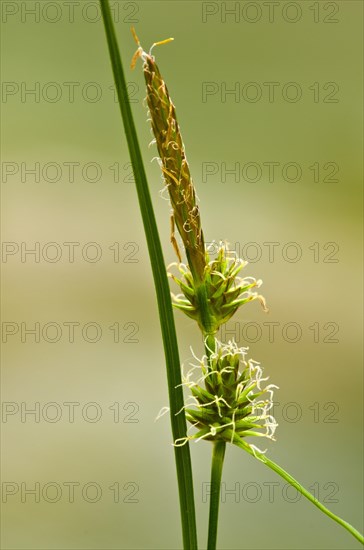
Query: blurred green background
(113, 379)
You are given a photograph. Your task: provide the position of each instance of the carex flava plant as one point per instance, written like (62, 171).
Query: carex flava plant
(230, 400)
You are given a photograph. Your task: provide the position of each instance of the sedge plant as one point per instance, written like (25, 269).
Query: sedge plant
(230, 401)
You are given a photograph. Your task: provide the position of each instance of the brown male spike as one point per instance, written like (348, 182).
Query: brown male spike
(174, 164)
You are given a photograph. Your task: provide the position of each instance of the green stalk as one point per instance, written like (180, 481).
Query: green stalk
(218, 454)
(276, 468)
(219, 446)
(206, 321)
(178, 422)
(217, 463)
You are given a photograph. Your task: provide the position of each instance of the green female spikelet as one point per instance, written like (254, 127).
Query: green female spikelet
(232, 401)
(225, 290)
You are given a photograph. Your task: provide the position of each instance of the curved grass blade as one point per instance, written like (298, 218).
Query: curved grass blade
(276, 468)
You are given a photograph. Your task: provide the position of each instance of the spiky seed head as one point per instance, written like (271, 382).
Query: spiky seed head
(225, 290)
(230, 397)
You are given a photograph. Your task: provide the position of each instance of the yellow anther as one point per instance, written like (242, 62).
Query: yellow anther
(161, 42)
(135, 36)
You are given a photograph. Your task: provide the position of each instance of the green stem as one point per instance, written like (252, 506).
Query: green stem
(218, 451)
(218, 454)
(178, 421)
(206, 319)
(273, 466)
